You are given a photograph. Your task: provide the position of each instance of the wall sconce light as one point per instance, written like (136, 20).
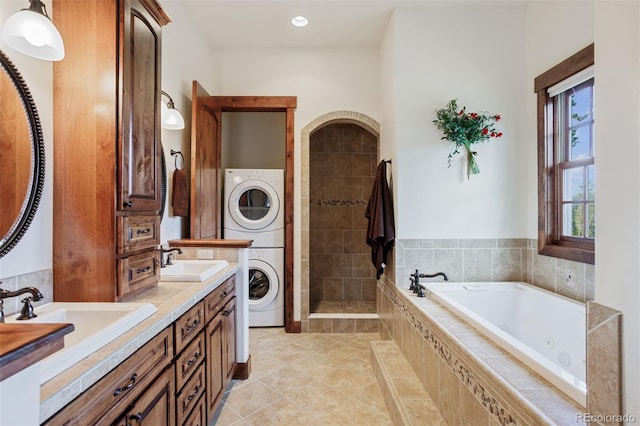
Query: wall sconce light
(170, 116)
(30, 31)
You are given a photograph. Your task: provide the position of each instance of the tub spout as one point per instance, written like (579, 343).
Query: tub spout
(437, 274)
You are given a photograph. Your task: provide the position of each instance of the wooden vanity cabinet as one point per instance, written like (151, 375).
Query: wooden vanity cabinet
(107, 152)
(220, 335)
(154, 407)
(130, 383)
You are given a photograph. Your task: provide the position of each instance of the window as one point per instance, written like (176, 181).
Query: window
(566, 161)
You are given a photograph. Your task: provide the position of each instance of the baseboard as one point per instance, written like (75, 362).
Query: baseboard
(243, 370)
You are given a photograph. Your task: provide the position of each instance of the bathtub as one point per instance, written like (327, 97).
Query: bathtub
(544, 330)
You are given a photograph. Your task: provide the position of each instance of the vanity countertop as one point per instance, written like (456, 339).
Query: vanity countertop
(172, 299)
(22, 345)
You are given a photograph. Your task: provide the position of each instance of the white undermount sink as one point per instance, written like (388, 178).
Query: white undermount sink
(96, 324)
(192, 270)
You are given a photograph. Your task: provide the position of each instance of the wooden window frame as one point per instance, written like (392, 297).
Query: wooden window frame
(549, 241)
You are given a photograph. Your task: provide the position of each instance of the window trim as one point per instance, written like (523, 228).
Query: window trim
(547, 190)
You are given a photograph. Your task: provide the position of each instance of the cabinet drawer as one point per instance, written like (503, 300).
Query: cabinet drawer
(138, 232)
(189, 325)
(218, 297)
(138, 272)
(198, 416)
(190, 394)
(103, 402)
(189, 360)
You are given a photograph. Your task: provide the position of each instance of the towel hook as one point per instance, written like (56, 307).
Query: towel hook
(176, 154)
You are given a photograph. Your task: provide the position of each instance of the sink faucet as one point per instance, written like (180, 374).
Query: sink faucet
(437, 274)
(27, 309)
(168, 262)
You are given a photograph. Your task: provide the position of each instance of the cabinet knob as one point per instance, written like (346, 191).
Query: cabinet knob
(136, 417)
(127, 204)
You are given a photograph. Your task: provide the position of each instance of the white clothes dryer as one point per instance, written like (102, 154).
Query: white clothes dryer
(266, 287)
(254, 203)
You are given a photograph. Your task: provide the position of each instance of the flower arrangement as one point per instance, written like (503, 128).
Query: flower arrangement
(464, 129)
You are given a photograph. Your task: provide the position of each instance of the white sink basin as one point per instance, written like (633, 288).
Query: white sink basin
(192, 270)
(96, 324)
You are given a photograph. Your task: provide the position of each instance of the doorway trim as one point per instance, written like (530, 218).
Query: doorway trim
(334, 117)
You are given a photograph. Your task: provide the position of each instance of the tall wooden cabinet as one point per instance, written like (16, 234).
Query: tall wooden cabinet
(107, 155)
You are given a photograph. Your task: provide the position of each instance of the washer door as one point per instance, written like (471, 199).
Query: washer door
(253, 204)
(263, 284)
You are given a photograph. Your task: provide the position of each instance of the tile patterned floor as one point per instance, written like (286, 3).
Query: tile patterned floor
(306, 379)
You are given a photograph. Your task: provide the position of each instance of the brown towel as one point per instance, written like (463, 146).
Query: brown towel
(180, 195)
(381, 227)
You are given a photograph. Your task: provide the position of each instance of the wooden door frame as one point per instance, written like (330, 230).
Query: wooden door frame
(286, 104)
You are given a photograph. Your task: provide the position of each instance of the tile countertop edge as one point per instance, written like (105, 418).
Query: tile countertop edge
(172, 299)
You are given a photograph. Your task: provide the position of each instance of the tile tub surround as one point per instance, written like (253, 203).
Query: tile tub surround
(510, 259)
(172, 299)
(469, 378)
(42, 280)
(604, 361)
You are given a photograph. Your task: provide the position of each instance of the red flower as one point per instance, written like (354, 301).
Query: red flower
(493, 134)
(498, 117)
(499, 134)
(473, 115)
(461, 112)
(485, 131)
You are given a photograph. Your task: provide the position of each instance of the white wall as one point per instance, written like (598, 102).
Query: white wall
(617, 132)
(34, 251)
(323, 80)
(474, 54)
(185, 58)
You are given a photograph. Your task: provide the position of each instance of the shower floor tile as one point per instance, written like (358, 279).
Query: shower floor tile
(342, 307)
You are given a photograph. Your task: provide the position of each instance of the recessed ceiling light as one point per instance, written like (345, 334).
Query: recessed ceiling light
(299, 21)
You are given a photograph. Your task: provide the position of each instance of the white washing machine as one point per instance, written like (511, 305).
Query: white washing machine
(266, 287)
(254, 203)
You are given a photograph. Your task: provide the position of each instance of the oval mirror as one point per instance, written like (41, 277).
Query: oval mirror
(21, 156)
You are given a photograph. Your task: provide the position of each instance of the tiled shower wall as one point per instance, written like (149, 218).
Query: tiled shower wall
(343, 160)
(511, 259)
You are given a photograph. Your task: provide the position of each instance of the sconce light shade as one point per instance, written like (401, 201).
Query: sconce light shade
(170, 117)
(30, 31)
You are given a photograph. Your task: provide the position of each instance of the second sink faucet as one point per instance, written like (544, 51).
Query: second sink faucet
(27, 310)
(168, 262)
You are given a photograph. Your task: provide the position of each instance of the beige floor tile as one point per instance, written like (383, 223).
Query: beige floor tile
(306, 379)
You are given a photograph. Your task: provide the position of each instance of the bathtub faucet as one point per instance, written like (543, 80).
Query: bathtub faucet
(437, 274)
(27, 309)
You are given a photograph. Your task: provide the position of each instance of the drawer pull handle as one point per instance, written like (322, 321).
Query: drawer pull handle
(129, 385)
(136, 417)
(194, 359)
(223, 295)
(194, 394)
(143, 270)
(226, 313)
(192, 326)
(146, 231)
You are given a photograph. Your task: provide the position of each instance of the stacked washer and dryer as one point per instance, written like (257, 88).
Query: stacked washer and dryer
(254, 203)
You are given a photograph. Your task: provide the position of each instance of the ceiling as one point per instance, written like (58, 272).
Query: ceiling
(265, 23)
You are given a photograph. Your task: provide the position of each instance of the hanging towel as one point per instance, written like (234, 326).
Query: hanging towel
(381, 226)
(180, 193)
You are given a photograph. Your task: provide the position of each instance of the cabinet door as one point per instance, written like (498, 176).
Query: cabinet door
(155, 407)
(214, 370)
(229, 336)
(139, 147)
